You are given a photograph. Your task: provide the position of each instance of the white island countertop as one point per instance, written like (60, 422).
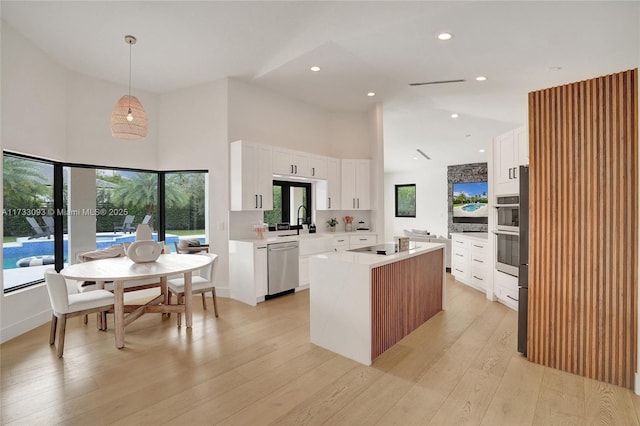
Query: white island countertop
(373, 260)
(357, 297)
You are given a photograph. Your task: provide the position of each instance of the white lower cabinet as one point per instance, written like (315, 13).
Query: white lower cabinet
(506, 289)
(248, 273)
(306, 248)
(469, 260)
(340, 243)
(357, 241)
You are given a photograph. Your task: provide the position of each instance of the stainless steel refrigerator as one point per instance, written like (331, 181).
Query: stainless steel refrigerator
(523, 268)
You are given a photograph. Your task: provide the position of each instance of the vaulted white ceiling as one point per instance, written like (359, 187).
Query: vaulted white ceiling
(361, 46)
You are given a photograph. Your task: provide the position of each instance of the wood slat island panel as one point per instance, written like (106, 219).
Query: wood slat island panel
(404, 295)
(583, 146)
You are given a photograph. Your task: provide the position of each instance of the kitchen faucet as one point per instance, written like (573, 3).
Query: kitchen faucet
(298, 219)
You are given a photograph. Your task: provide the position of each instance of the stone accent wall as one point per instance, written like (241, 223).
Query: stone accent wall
(476, 172)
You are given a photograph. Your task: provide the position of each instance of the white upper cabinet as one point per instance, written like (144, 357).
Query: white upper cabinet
(328, 191)
(250, 172)
(510, 150)
(318, 166)
(291, 163)
(356, 185)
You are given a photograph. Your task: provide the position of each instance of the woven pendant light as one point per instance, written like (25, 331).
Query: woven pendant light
(128, 117)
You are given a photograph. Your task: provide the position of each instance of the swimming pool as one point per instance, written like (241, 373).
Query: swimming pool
(472, 207)
(12, 252)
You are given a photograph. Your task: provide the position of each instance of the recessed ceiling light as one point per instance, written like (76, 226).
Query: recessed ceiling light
(371, 94)
(445, 36)
(454, 115)
(481, 78)
(315, 68)
(415, 158)
(481, 150)
(556, 68)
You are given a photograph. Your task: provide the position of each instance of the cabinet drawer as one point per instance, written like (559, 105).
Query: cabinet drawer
(478, 261)
(479, 280)
(340, 243)
(362, 240)
(460, 255)
(460, 242)
(508, 296)
(478, 246)
(460, 271)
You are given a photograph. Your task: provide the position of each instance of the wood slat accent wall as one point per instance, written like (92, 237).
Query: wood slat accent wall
(404, 295)
(583, 149)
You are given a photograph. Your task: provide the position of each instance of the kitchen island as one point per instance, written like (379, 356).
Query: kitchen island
(362, 303)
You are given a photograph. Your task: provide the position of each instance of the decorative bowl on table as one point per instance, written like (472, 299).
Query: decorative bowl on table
(144, 251)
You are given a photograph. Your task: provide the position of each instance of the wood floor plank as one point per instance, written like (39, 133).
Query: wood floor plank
(256, 366)
(515, 401)
(561, 400)
(607, 404)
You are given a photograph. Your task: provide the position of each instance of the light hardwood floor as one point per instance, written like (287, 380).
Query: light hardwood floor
(255, 366)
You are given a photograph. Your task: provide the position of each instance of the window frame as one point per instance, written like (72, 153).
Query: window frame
(286, 201)
(58, 202)
(405, 185)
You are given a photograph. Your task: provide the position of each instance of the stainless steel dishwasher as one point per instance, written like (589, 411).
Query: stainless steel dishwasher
(282, 261)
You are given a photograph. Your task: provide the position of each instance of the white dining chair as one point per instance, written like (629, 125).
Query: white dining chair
(67, 305)
(201, 282)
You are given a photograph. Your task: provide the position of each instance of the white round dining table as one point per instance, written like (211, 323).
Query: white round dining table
(122, 269)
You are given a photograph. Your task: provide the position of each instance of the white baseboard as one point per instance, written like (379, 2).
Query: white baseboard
(637, 384)
(27, 324)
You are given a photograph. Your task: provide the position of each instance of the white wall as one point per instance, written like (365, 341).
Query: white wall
(88, 130)
(194, 135)
(351, 135)
(33, 93)
(431, 201)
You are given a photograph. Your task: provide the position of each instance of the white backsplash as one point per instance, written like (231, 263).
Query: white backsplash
(323, 215)
(241, 223)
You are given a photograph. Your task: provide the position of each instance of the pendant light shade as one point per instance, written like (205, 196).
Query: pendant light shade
(121, 127)
(128, 117)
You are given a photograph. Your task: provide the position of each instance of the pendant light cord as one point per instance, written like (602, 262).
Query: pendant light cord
(129, 76)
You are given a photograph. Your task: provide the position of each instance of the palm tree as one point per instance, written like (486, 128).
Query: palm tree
(142, 190)
(24, 184)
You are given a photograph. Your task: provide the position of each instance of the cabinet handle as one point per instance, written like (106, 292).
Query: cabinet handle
(341, 241)
(261, 248)
(515, 169)
(512, 298)
(458, 254)
(458, 270)
(478, 246)
(479, 261)
(358, 202)
(510, 173)
(329, 202)
(478, 278)
(363, 239)
(260, 200)
(313, 171)
(459, 242)
(256, 201)
(296, 169)
(353, 203)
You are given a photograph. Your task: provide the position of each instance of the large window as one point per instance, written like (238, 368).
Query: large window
(406, 200)
(28, 229)
(53, 210)
(291, 200)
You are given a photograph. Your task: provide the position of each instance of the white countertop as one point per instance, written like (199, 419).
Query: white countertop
(477, 235)
(374, 260)
(272, 237)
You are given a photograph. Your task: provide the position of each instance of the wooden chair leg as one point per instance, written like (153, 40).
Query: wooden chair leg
(204, 301)
(52, 334)
(215, 301)
(62, 327)
(99, 321)
(179, 296)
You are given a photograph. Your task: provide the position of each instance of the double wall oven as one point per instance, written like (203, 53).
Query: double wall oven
(507, 234)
